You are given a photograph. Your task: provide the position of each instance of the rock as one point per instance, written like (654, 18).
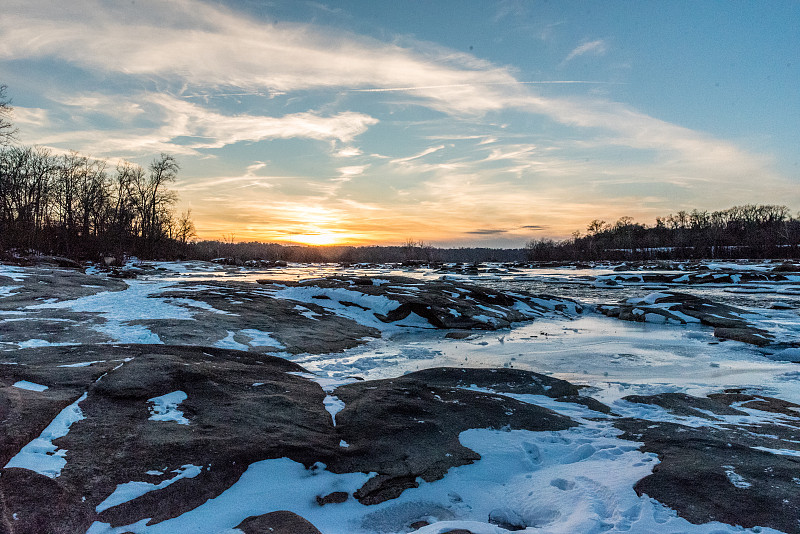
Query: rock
(280, 522)
(337, 497)
(241, 408)
(444, 304)
(231, 425)
(507, 519)
(508, 381)
(682, 308)
(686, 405)
(752, 336)
(458, 334)
(407, 428)
(742, 473)
(296, 327)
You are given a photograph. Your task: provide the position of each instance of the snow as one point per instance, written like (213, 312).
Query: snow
(131, 490)
(554, 482)
(30, 386)
(165, 408)
(229, 343)
(579, 480)
(40, 455)
(736, 479)
(333, 405)
(261, 339)
(82, 364)
(7, 291)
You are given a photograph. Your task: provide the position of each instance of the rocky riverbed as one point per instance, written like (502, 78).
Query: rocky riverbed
(199, 398)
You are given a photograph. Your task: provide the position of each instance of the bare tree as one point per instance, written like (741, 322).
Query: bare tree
(185, 227)
(7, 130)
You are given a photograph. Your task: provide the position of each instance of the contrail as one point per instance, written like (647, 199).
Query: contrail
(415, 88)
(548, 82)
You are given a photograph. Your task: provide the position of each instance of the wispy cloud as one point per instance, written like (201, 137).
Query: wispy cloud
(185, 127)
(595, 48)
(486, 231)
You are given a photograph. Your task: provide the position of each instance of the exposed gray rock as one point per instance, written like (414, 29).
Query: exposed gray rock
(242, 407)
(729, 322)
(446, 304)
(726, 472)
(280, 522)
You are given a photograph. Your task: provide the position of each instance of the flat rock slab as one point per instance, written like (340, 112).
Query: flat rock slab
(408, 427)
(744, 473)
(233, 409)
(295, 327)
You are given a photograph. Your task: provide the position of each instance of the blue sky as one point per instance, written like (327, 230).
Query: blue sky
(458, 123)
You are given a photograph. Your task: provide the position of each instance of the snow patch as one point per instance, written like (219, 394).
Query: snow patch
(165, 408)
(30, 386)
(40, 455)
(131, 490)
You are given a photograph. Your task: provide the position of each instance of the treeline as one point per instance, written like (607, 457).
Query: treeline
(750, 231)
(75, 206)
(409, 253)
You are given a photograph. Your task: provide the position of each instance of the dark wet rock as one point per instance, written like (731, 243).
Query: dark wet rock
(756, 402)
(508, 381)
(717, 474)
(241, 408)
(407, 428)
(445, 304)
(336, 497)
(280, 522)
(232, 424)
(749, 335)
(46, 284)
(507, 519)
(458, 334)
(687, 405)
(680, 308)
(786, 268)
(126, 274)
(45, 261)
(701, 275)
(297, 327)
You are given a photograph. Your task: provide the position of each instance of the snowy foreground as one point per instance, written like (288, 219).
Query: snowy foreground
(197, 397)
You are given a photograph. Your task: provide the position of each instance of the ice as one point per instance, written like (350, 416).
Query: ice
(229, 343)
(30, 386)
(735, 479)
(579, 480)
(261, 339)
(82, 364)
(551, 482)
(40, 455)
(165, 408)
(333, 405)
(131, 490)
(6, 291)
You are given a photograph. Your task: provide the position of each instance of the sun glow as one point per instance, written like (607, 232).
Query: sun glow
(319, 239)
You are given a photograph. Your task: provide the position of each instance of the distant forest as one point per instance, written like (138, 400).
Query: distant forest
(750, 231)
(75, 206)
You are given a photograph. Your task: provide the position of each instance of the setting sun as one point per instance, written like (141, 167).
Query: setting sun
(318, 239)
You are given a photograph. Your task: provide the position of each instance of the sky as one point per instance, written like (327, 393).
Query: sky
(453, 122)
